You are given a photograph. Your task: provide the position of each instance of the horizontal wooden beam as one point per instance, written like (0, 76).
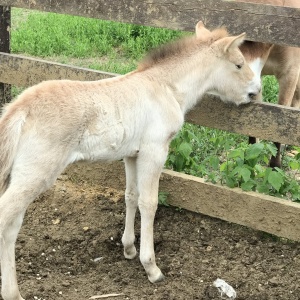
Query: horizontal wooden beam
(261, 212)
(263, 120)
(266, 121)
(264, 23)
(24, 71)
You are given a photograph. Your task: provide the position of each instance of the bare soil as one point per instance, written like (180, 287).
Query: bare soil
(70, 248)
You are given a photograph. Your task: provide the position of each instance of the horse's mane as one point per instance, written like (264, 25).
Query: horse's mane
(254, 49)
(178, 47)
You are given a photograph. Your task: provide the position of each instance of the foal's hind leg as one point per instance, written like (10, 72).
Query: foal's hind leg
(26, 183)
(131, 198)
(8, 236)
(13, 204)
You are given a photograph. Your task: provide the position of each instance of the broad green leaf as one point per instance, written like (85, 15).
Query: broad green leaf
(263, 188)
(223, 166)
(179, 163)
(254, 151)
(247, 186)
(272, 148)
(280, 171)
(245, 173)
(214, 162)
(236, 153)
(260, 171)
(276, 180)
(230, 182)
(294, 165)
(185, 149)
(267, 173)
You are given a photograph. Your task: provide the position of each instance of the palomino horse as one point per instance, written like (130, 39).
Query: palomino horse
(283, 62)
(133, 117)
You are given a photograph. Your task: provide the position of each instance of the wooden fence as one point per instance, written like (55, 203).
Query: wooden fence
(266, 23)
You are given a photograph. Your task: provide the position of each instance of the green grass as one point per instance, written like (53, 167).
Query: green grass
(270, 90)
(50, 35)
(216, 155)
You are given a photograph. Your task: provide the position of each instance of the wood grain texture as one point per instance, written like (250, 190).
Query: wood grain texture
(279, 25)
(5, 12)
(258, 211)
(14, 70)
(263, 120)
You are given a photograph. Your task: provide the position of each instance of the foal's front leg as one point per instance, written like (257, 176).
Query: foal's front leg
(149, 167)
(131, 199)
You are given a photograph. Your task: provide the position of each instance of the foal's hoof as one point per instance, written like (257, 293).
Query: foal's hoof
(130, 253)
(157, 279)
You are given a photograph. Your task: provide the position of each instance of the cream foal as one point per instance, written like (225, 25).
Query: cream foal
(133, 117)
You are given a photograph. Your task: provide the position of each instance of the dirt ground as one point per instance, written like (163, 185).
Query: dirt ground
(70, 248)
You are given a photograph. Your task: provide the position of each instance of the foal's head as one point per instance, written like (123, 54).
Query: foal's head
(231, 77)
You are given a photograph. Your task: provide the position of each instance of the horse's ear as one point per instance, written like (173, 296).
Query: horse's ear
(201, 31)
(234, 41)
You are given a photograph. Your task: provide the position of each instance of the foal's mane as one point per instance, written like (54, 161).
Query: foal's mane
(177, 47)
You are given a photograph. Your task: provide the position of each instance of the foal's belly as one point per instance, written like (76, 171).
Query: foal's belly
(108, 144)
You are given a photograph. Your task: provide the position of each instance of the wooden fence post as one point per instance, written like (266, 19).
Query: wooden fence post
(5, 89)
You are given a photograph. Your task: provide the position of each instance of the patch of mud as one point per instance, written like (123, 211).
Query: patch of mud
(70, 248)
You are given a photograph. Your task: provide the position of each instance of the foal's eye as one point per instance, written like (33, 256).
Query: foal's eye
(238, 66)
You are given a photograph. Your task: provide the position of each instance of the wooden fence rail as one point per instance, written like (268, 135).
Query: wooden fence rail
(267, 23)
(272, 122)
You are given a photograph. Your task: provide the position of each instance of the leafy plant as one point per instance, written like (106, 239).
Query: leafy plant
(162, 198)
(219, 158)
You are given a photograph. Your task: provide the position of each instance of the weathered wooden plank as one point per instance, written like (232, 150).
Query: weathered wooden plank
(286, 3)
(14, 70)
(261, 212)
(261, 22)
(5, 89)
(258, 211)
(263, 120)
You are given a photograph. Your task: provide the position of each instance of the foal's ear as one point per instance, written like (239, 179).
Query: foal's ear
(201, 31)
(233, 41)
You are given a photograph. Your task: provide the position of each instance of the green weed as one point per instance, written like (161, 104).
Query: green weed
(270, 90)
(163, 198)
(220, 158)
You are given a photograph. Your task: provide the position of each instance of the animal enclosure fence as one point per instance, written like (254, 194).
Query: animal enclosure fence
(265, 23)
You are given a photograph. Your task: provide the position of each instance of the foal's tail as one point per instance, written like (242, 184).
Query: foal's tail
(11, 125)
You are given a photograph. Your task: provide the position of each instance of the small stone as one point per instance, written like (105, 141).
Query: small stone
(209, 248)
(65, 283)
(274, 281)
(56, 221)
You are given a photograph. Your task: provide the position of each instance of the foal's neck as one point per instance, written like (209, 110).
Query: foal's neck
(188, 80)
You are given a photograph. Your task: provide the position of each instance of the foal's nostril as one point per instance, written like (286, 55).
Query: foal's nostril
(252, 95)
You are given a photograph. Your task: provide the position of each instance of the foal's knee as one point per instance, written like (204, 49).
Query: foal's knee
(131, 196)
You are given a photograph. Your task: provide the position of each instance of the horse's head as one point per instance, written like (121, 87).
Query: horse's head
(231, 76)
(256, 55)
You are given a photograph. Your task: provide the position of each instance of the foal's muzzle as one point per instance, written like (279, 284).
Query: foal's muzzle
(253, 96)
